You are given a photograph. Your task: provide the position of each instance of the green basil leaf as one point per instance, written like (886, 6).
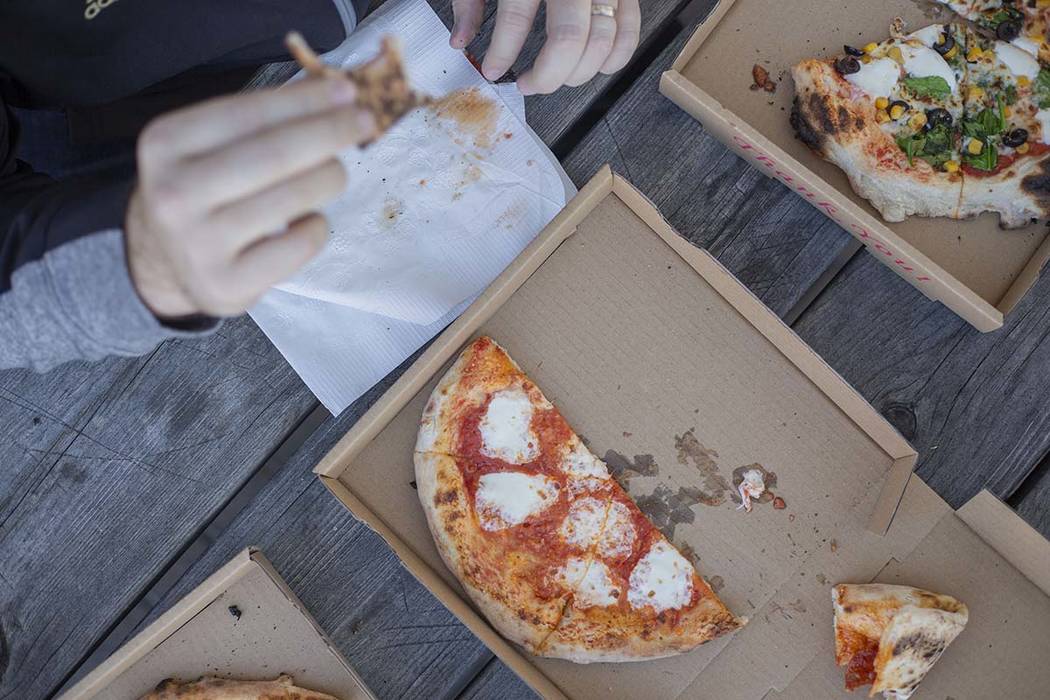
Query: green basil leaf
(912, 145)
(929, 86)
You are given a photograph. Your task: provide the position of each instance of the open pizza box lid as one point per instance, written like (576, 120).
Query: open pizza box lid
(243, 622)
(674, 373)
(973, 267)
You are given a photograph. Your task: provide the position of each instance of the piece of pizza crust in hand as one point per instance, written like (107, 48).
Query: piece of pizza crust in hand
(548, 546)
(891, 636)
(212, 688)
(382, 87)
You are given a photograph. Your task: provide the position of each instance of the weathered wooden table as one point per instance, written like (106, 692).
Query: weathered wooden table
(125, 483)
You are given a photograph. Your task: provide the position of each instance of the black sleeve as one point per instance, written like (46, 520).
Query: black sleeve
(65, 290)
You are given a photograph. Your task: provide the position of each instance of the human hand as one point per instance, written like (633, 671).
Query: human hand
(582, 39)
(228, 190)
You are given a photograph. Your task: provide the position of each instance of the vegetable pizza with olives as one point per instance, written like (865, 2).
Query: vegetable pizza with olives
(951, 120)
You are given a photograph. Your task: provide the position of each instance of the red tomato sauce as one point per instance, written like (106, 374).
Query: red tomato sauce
(1005, 161)
(861, 668)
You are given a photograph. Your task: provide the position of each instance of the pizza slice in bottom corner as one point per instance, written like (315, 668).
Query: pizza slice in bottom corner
(213, 688)
(548, 546)
(891, 636)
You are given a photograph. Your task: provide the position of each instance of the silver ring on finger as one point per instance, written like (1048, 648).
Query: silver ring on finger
(602, 10)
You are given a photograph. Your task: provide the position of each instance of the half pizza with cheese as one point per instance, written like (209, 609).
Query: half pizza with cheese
(946, 121)
(891, 636)
(548, 546)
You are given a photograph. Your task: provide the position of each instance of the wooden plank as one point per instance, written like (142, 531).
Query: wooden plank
(973, 404)
(497, 681)
(1032, 500)
(149, 448)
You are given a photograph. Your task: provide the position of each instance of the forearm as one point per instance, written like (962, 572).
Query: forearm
(76, 302)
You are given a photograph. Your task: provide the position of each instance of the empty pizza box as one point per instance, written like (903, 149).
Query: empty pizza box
(673, 372)
(243, 622)
(973, 267)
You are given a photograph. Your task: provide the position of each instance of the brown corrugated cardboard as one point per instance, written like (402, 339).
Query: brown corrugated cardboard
(973, 267)
(200, 635)
(665, 363)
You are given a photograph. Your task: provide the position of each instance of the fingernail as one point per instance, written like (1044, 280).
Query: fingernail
(342, 91)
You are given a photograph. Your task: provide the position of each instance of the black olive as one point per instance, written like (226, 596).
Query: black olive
(943, 47)
(847, 65)
(852, 50)
(1008, 30)
(938, 116)
(1015, 138)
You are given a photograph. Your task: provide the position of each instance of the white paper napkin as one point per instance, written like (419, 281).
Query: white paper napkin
(434, 211)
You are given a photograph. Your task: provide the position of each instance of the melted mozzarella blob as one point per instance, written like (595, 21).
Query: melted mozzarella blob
(928, 35)
(923, 62)
(583, 523)
(504, 499)
(596, 589)
(1027, 44)
(617, 540)
(877, 78)
(662, 579)
(579, 462)
(1019, 61)
(506, 431)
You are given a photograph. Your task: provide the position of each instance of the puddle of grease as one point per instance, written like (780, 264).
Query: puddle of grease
(624, 469)
(691, 450)
(473, 114)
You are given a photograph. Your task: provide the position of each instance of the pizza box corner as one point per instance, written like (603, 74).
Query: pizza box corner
(973, 267)
(675, 374)
(243, 622)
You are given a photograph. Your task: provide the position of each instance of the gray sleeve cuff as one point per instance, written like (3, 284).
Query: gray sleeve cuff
(78, 302)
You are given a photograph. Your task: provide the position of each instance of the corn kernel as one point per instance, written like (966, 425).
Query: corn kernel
(976, 92)
(881, 103)
(951, 166)
(1008, 112)
(974, 147)
(918, 120)
(1023, 148)
(1023, 80)
(870, 48)
(952, 52)
(881, 116)
(895, 54)
(896, 112)
(865, 59)
(974, 54)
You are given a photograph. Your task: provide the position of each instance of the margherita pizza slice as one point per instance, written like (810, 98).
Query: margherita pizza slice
(890, 636)
(888, 115)
(529, 520)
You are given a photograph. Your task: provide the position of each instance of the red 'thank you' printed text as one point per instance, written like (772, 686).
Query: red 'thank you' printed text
(827, 207)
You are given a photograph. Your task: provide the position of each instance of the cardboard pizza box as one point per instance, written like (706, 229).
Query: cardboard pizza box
(973, 267)
(242, 622)
(672, 371)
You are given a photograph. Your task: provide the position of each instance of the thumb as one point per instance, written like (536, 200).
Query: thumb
(468, 15)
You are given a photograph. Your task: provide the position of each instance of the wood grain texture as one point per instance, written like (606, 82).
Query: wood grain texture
(398, 636)
(133, 456)
(974, 405)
